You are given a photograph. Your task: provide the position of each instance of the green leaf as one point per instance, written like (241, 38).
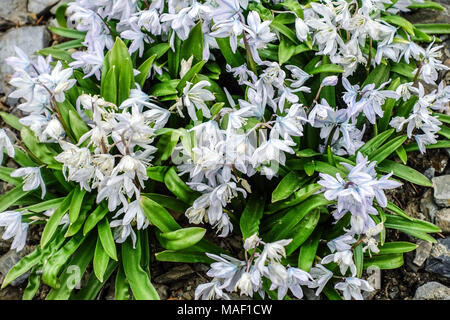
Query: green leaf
(438, 145)
(53, 265)
(158, 216)
(53, 221)
(403, 69)
(165, 88)
(182, 238)
(60, 15)
(251, 216)
(434, 28)
(373, 144)
(300, 195)
(358, 256)
(106, 238)
(167, 202)
(308, 251)
(324, 167)
(445, 132)
(303, 230)
(234, 59)
(426, 5)
(40, 151)
(385, 261)
(5, 175)
(377, 76)
(92, 287)
(34, 282)
(46, 205)
(397, 247)
(23, 265)
(399, 223)
(68, 33)
(388, 107)
(387, 149)
(144, 70)
(94, 218)
(157, 173)
(193, 71)
(286, 50)
(307, 153)
(288, 185)
(285, 30)
(179, 188)
(59, 54)
(393, 208)
(75, 204)
(73, 274)
(404, 172)
(309, 167)
(11, 120)
(101, 261)
(401, 22)
(193, 45)
(138, 279)
(328, 68)
(286, 223)
(77, 125)
(122, 287)
(184, 256)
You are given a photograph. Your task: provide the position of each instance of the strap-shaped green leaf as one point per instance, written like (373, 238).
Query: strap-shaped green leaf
(182, 238)
(178, 187)
(53, 265)
(158, 216)
(288, 185)
(251, 216)
(303, 230)
(404, 172)
(106, 238)
(308, 250)
(98, 214)
(101, 260)
(138, 279)
(75, 204)
(385, 261)
(53, 222)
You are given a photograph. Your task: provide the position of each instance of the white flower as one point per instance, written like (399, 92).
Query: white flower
(32, 178)
(134, 212)
(58, 81)
(321, 276)
(352, 287)
(5, 143)
(344, 259)
(123, 231)
(251, 242)
(14, 227)
(210, 290)
(301, 29)
(329, 81)
(273, 251)
(196, 97)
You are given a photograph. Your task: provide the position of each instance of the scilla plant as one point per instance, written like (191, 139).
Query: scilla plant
(282, 122)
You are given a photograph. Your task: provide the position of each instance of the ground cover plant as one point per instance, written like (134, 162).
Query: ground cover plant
(280, 121)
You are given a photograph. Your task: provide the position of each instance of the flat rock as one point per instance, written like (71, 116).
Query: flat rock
(7, 261)
(174, 274)
(13, 12)
(29, 39)
(442, 220)
(432, 291)
(422, 252)
(40, 6)
(441, 186)
(439, 260)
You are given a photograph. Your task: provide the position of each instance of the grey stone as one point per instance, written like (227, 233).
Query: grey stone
(40, 6)
(441, 186)
(432, 291)
(427, 207)
(442, 220)
(422, 252)
(174, 274)
(13, 12)
(29, 39)
(429, 173)
(439, 260)
(163, 291)
(7, 261)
